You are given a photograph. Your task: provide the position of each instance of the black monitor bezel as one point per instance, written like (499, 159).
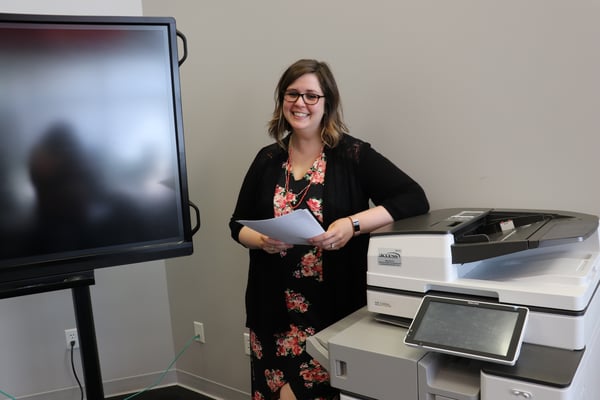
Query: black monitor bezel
(64, 268)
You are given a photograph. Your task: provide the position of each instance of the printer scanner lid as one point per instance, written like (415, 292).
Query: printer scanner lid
(481, 233)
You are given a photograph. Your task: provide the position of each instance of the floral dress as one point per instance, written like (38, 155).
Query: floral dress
(278, 358)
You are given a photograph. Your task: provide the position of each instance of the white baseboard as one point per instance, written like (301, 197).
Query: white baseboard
(134, 384)
(209, 388)
(111, 388)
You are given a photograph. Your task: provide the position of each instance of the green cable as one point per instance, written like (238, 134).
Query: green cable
(8, 395)
(161, 377)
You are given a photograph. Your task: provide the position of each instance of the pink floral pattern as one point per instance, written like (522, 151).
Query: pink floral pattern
(283, 200)
(255, 345)
(274, 379)
(258, 396)
(293, 341)
(316, 207)
(313, 372)
(317, 172)
(301, 285)
(296, 302)
(311, 265)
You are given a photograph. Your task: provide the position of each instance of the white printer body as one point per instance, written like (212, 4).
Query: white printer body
(547, 261)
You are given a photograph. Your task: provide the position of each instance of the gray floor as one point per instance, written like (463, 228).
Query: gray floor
(168, 393)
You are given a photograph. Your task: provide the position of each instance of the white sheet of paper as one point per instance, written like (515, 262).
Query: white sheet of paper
(293, 228)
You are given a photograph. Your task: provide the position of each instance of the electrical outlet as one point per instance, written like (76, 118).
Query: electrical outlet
(71, 336)
(199, 332)
(247, 343)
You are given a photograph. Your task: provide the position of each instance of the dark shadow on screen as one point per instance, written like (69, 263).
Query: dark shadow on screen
(77, 210)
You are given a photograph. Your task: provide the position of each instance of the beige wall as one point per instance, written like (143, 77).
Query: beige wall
(486, 103)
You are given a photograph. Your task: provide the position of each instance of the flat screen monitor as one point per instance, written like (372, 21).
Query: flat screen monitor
(473, 329)
(92, 155)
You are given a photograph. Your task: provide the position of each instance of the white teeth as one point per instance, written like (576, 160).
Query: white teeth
(297, 114)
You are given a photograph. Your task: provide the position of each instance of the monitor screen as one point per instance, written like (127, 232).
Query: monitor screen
(474, 329)
(92, 159)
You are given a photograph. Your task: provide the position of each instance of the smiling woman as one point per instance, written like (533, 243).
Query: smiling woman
(304, 117)
(295, 291)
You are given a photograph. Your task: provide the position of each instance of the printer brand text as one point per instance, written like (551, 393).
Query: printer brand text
(389, 257)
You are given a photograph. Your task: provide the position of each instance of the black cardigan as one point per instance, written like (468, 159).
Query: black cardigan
(355, 174)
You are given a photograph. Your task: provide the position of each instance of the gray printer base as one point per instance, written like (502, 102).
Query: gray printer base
(368, 360)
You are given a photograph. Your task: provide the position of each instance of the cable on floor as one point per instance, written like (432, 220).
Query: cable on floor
(161, 377)
(7, 395)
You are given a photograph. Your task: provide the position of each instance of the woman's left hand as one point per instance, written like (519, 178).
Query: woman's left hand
(337, 235)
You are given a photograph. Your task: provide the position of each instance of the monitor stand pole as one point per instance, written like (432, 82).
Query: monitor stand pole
(79, 283)
(84, 318)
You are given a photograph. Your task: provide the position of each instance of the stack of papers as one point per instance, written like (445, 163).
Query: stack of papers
(293, 228)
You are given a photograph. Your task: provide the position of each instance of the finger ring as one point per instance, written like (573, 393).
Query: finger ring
(332, 245)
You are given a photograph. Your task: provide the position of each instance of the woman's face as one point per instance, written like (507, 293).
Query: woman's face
(302, 117)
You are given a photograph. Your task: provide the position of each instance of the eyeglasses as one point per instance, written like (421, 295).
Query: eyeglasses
(308, 98)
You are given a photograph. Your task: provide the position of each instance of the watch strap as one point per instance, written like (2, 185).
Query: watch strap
(355, 225)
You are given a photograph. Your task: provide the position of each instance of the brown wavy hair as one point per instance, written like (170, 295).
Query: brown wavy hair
(332, 125)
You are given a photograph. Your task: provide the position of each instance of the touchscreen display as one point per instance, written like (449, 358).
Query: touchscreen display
(488, 331)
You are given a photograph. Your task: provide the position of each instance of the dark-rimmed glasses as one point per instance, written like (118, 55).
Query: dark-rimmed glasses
(309, 98)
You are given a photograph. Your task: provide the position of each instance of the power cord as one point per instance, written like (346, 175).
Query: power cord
(72, 343)
(8, 395)
(161, 377)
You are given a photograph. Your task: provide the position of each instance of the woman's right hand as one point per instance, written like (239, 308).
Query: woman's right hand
(273, 246)
(256, 240)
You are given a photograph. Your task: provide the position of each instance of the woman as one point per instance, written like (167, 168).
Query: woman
(295, 291)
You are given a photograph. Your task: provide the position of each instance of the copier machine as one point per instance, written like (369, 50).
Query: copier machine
(546, 261)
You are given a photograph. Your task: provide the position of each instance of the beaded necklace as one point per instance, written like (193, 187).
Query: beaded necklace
(295, 203)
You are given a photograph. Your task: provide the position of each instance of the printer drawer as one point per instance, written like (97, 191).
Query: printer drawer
(499, 388)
